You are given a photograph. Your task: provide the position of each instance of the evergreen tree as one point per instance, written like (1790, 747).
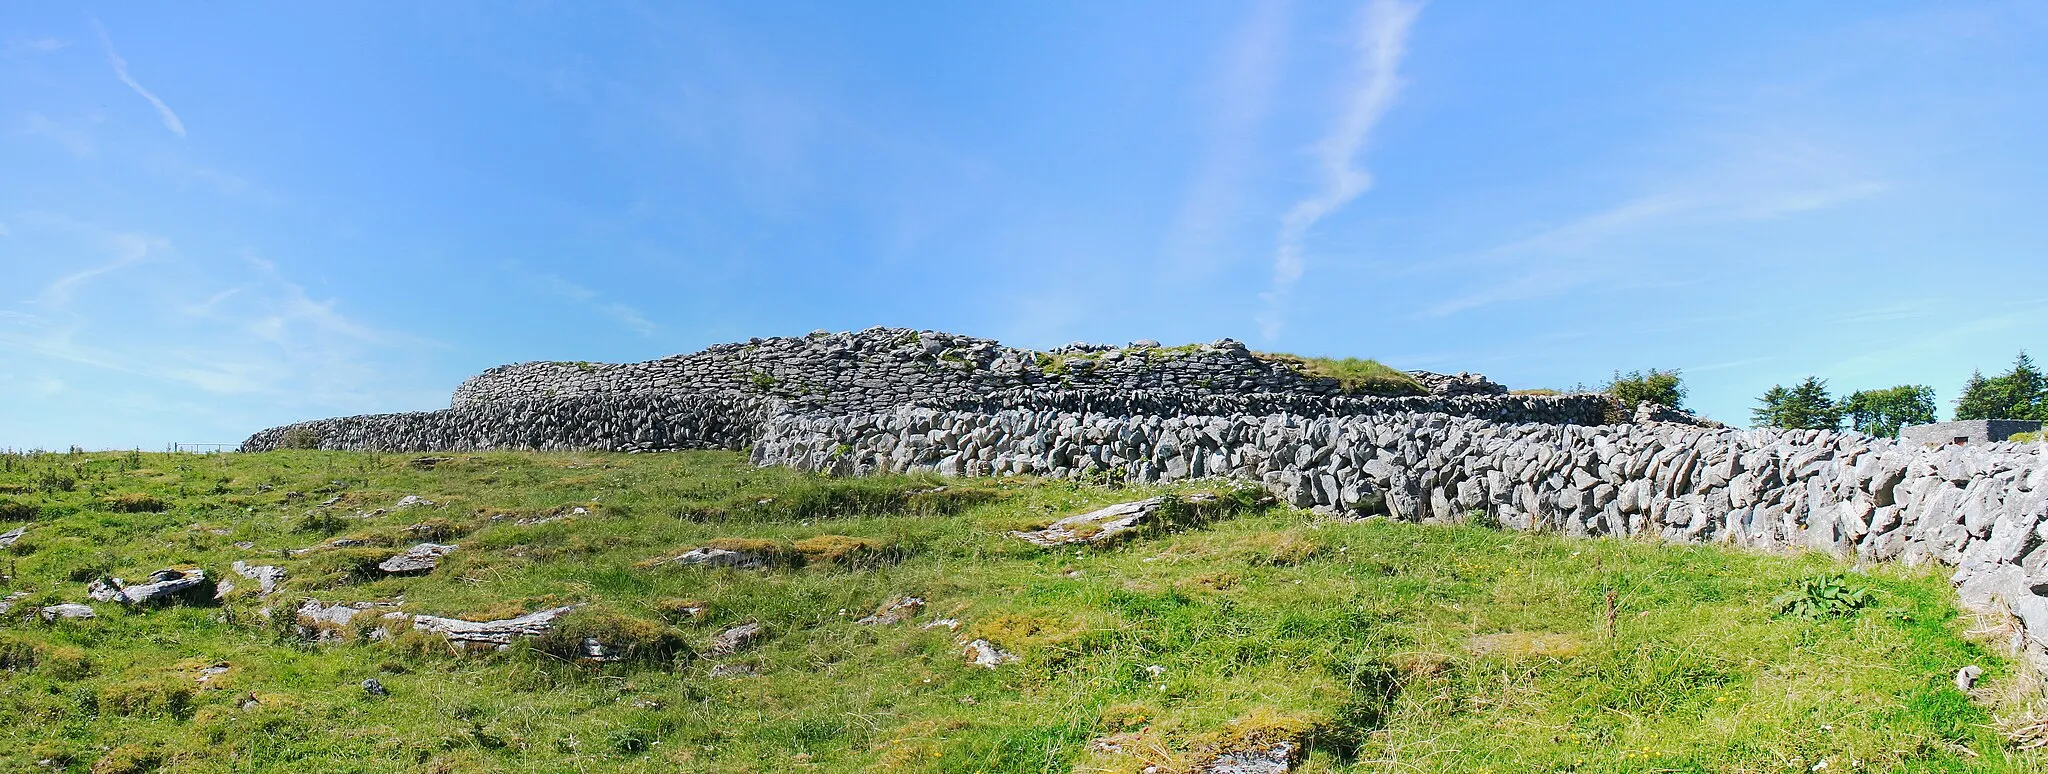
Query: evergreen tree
(1806, 406)
(2021, 393)
(1976, 402)
(1882, 412)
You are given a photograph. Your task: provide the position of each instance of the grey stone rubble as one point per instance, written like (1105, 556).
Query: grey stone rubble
(417, 559)
(719, 557)
(736, 639)
(734, 670)
(492, 633)
(7, 538)
(1098, 527)
(896, 611)
(164, 587)
(68, 610)
(321, 621)
(983, 653)
(1277, 758)
(266, 576)
(7, 602)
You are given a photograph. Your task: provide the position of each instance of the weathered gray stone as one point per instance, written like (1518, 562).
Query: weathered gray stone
(167, 586)
(499, 633)
(983, 653)
(736, 639)
(417, 559)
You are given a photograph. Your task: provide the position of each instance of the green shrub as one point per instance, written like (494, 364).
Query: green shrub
(1664, 388)
(2033, 437)
(18, 655)
(1828, 596)
(300, 438)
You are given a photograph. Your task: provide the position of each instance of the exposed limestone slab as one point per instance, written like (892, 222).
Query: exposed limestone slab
(736, 639)
(718, 557)
(266, 576)
(983, 653)
(68, 610)
(1107, 525)
(895, 611)
(496, 633)
(1277, 758)
(417, 559)
(166, 586)
(7, 538)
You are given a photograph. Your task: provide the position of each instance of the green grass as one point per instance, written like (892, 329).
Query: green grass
(2026, 437)
(1383, 647)
(1353, 375)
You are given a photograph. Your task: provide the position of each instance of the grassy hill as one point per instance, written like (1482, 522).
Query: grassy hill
(1371, 646)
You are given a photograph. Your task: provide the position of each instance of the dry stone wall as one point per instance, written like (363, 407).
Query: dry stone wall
(1982, 509)
(881, 368)
(630, 423)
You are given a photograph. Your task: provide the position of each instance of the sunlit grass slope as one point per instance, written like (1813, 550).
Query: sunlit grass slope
(1375, 646)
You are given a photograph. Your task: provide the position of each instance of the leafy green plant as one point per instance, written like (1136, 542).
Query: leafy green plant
(300, 438)
(1664, 388)
(1827, 596)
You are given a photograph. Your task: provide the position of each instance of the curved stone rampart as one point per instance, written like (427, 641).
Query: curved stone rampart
(631, 423)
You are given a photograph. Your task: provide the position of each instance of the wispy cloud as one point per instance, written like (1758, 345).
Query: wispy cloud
(42, 45)
(1382, 43)
(623, 314)
(128, 249)
(171, 120)
(1568, 256)
(1243, 90)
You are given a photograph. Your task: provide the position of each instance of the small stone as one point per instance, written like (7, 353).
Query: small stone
(736, 639)
(375, 687)
(417, 559)
(1966, 678)
(896, 611)
(949, 624)
(7, 538)
(983, 653)
(70, 610)
(1277, 759)
(211, 672)
(734, 670)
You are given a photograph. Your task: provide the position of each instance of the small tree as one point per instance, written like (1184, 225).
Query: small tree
(1804, 407)
(1660, 387)
(1882, 412)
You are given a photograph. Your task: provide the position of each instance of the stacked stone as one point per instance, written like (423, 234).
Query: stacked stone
(636, 422)
(1583, 409)
(1846, 493)
(882, 368)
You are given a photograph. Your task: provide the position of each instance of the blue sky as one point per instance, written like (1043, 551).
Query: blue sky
(218, 218)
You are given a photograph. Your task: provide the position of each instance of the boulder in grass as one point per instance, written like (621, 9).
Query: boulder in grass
(719, 557)
(168, 586)
(417, 559)
(7, 538)
(68, 610)
(985, 654)
(1107, 525)
(736, 639)
(1277, 758)
(897, 611)
(266, 576)
(499, 633)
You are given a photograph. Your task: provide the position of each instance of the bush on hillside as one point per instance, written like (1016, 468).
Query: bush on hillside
(14, 510)
(1663, 388)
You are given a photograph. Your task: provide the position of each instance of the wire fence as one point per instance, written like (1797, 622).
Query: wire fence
(179, 447)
